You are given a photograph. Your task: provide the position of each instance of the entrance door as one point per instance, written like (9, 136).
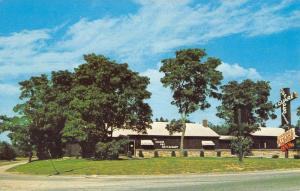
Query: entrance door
(131, 147)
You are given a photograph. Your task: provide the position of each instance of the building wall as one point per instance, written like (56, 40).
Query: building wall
(268, 153)
(191, 153)
(258, 143)
(264, 143)
(172, 142)
(224, 144)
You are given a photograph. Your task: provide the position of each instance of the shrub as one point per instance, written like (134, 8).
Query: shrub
(297, 156)
(185, 153)
(141, 154)
(275, 156)
(218, 153)
(241, 146)
(202, 153)
(110, 150)
(129, 154)
(6, 151)
(173, 154)
(156, 154)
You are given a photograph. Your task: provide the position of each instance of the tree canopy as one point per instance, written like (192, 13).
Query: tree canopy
(192, 79)
(252, 97)
(245, 106)
(106, 96)
(83, 106)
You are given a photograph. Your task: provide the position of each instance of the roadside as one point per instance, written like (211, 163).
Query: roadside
(154, 166)
(282, 180)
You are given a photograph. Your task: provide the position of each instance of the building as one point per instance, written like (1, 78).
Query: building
(158, 137)
(197, 137)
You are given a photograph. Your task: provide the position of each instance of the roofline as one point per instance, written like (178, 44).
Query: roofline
(168, 135)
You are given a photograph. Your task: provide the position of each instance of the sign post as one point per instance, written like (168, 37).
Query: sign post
(284, 141)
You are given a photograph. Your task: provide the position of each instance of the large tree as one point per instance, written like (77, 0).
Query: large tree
(106, 96)
(33, 95)
(192, 80)
(245, 106)
(18, 133)
(42, 114)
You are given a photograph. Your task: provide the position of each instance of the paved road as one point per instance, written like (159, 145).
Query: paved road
(266, 181)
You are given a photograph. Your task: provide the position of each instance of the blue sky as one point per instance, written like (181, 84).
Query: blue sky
(254, 39)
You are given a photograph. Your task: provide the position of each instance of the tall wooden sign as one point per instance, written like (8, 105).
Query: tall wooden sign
(284, 140)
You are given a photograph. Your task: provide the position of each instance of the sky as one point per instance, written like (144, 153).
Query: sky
(259, 40)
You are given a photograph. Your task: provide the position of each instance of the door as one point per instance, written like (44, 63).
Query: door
(131, 147)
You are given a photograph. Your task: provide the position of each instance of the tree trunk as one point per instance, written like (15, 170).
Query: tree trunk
(183, 119)
(241, 156)
(30, 157)
(41, 152)
(241, 152)
(87, 149)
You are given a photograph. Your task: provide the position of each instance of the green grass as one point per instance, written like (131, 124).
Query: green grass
(154, 166)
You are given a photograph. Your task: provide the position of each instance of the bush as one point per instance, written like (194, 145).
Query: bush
(241, 146)
(202, 153)
(156, 154)
(110, 150)
(297, 156)
(129, 154)
(185, 153)
(6, 151)
(275, 156)
(218, 153)
(141, 154)
(173, 154)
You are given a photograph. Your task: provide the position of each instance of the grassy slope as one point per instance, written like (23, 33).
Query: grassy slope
(154, 166)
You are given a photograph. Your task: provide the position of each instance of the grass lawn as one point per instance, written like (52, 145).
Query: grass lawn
(154, 166)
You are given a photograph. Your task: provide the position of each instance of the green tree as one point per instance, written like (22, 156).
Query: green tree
(241, 146)
(191, 80)
(106, 96)
(161, 119)
(44, 107)
(33, 95)
(298, 121)
(110, 150)
(220, 129)
(177, 126)
(18, 133)
(245, 106)
(6, 151)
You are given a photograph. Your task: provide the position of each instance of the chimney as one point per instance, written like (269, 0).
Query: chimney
(205, 123)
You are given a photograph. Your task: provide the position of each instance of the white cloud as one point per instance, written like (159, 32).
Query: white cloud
(287, 79)
(161, 97)
(158, 27)
(235, 71)
(8, 89)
